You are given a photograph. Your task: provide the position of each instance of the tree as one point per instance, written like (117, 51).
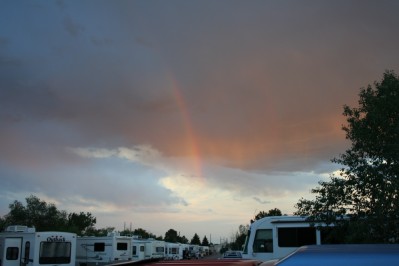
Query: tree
(195, 240)
(37, 213)
(182, 239)
(272, 212)
(92, 231)
(46, 217)
(143, 233)
(79, 223)
(171, 236)
(205, 241)
(239, 238)
(366, 191)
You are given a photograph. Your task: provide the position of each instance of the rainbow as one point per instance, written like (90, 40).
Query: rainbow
(191, 138)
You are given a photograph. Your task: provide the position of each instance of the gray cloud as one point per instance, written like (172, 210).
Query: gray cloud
(252, 92)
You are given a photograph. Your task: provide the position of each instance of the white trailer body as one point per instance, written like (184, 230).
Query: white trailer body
(138, 249)
(276, 236)
(154, 249)
(23, 246)
(103, 250)
(174, 251)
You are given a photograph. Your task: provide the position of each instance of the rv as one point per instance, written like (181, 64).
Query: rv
(175, 251)
(274, 237)
(138, 248)
(23, 246)
(154, 249)
(147, 249)
(103, 250)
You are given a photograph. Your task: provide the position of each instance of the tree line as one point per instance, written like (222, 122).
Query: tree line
(46, 217)
(361, 199)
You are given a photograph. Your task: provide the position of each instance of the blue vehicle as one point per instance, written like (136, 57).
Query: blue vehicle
(342, 254)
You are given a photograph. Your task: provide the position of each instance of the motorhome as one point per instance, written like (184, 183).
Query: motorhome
(23, 246)
(274, 237)
(93, 250)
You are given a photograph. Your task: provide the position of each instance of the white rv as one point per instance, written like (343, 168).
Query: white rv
(154, 249)
(276, 236)
(23, 246)
(147, 249)
(103, 250)
(174, 251)
(138, 248)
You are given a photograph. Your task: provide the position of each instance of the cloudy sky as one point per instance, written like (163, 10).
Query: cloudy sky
(190, 115)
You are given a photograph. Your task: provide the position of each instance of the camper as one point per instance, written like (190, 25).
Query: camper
(174, 251)
(138, 248)
(23, 246)
(154, 249)
(274, 237)
(147, 249)
(93, 250)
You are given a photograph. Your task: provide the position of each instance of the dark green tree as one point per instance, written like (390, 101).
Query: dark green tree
(366, 191)
(271, 212)
(195, 240)
(182, 239)
(143, 233)
(205, 241)
(239, 238)
(81, 222)
(92, 231)
(171, 236)
(37, 213)
(46, 217)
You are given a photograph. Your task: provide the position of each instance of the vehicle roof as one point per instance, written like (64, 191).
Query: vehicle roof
(351, 254)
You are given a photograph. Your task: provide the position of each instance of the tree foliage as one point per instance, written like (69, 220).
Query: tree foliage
(271, 212)
(238, 240)
(205, 241)
(46, 217)
(171, 236)
(367, 187)
(195, 240)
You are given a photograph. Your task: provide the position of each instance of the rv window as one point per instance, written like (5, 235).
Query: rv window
(296, 237)
(159, 249)
(263, 241)
(55, 253)
(142, 248)
(174, 251)
(121, 246)
(12, 253)
(99, 246)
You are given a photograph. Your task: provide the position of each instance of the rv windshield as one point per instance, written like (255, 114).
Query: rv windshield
(55, 253)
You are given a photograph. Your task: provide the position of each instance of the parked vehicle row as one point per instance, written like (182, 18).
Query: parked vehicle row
(23, 246)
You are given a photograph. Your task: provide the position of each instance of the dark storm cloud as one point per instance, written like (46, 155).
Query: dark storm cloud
(256, 87)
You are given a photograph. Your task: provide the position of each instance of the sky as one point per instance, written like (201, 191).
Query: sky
(182, 114)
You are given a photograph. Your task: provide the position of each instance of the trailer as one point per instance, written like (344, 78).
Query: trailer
(23, 246)
(175, 251)
(154, 249)
(274, 237)
(143, 249)
(93, 250)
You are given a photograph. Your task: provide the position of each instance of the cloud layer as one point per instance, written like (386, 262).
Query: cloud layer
(181, 114)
